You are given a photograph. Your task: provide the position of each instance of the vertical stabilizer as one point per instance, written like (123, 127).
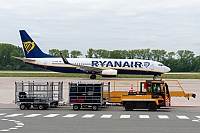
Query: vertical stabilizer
(31, 50)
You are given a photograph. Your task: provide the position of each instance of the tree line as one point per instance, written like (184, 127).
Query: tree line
(180, 61)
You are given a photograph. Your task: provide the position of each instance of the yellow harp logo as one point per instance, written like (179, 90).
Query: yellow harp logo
(29, 46)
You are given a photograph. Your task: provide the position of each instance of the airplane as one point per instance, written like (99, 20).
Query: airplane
(105, 67)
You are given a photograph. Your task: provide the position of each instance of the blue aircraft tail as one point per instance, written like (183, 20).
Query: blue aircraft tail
(31, 50)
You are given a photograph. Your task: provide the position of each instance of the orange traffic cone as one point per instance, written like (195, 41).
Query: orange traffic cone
(131, 89)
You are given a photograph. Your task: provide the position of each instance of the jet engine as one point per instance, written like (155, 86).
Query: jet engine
(109, 73)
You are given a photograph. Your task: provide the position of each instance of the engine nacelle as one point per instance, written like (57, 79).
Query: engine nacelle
(109, 73)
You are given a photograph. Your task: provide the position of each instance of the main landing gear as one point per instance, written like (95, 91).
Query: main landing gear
(93, 76)
(154, 77)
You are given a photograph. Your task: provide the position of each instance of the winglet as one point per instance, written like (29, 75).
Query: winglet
(64, 59)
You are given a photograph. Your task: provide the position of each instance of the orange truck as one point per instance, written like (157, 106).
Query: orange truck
(144, 94)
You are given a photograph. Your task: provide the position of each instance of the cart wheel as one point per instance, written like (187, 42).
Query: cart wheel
(54, 105)
(45, 107)
(28, 106)
(40, 107)
(152, 106)
(76, 107)
(95, 107)
(22, 106)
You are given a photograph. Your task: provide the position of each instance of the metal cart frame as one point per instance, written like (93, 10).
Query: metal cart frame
(38, 94)
(86, 95)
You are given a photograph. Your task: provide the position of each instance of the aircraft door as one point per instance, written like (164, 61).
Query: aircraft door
(45, 63)
(152, 66)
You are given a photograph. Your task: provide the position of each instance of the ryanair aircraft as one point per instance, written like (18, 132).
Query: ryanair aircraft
(93, 66)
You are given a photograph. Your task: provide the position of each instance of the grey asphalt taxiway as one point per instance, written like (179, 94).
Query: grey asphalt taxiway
(182, 117)
(110, 119)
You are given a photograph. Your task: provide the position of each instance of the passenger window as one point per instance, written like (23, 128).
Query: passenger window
(160, 65)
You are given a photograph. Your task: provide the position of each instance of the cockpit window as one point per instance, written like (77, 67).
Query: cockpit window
(160, 65)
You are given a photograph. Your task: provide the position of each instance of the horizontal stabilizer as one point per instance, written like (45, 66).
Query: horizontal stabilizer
(24, 59)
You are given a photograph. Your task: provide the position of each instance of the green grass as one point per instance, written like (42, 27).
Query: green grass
(165, 76)
(45, 74)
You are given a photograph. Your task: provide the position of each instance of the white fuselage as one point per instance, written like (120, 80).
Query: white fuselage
(115, 64)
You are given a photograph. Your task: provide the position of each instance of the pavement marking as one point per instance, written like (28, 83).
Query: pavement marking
(32, 115)
(197, 120)
(183, 117)
(198, 117)
(5, 130)
(144, 116)
(4, 119)
(88, 116)
(163, 116)
(19, 124)
(70, 115)
(125, 116)
(106, 116)
(13, 115)
(13, 128)
(12, 120)
(50, 115)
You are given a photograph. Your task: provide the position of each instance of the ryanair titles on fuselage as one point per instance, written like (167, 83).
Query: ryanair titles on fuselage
(135, 64)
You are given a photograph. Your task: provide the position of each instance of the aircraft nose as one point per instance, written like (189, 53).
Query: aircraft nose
(167, 69)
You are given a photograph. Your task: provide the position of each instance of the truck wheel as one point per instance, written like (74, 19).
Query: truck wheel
(129, 106)
(152, 106)
(22, 106)
(40, 107)
(95, 107)
(76, 107)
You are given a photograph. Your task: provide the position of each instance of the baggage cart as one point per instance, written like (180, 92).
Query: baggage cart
(82, 95)
(40, 95)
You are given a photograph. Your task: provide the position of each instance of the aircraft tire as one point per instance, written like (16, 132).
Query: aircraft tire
(93, 76)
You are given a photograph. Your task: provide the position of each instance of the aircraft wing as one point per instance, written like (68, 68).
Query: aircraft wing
(89, 68)
(81, 67)
(23, 59)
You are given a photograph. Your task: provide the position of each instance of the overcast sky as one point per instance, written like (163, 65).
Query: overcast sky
(103, 24)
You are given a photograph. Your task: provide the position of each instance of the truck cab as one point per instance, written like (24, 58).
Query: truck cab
(152, 95)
